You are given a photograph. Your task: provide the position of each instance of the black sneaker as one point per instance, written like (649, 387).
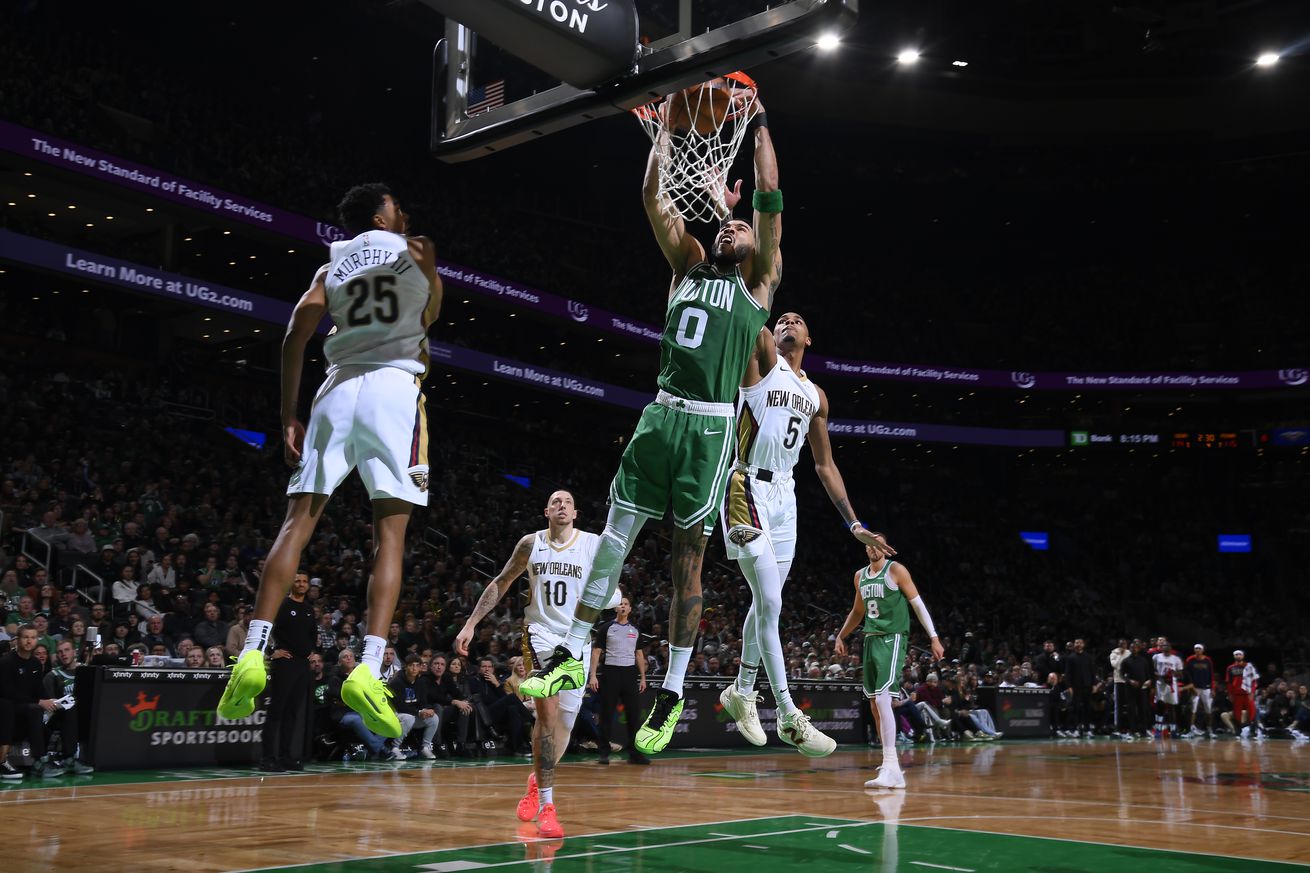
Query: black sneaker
(77, 768)
(290, 764)
(603, 760)
(48, 769)
(9, 772)
(269, 765)
(638, 758)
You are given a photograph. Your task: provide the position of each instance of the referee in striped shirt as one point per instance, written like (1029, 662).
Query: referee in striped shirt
(618, 651)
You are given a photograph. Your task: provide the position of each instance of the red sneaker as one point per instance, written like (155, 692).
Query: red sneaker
(547, 824)
(527, 810)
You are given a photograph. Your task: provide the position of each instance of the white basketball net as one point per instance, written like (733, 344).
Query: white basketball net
(693, 164)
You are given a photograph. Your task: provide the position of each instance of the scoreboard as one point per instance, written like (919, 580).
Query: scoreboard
(1216, 439)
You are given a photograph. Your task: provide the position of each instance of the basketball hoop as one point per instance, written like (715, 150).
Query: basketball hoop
(697, 133)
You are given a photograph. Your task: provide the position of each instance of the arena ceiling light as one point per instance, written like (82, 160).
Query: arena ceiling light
(908, 56)
(959, 63)
(828, 41)
(1268, 59)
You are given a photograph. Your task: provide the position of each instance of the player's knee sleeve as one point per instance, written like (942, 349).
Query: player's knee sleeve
(621, 529)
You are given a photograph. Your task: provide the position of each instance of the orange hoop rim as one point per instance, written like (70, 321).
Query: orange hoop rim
(650, 112)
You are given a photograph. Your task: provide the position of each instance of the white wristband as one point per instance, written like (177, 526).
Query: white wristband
(924, 618)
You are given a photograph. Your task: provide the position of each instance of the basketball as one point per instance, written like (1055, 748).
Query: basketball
(705, 107)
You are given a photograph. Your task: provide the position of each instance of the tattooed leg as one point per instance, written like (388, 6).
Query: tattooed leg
(685, 610)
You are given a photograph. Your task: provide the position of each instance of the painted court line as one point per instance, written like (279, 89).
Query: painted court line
(916, 823)
(832, 834)
(851, 848)
(943, 867)
(849, 823)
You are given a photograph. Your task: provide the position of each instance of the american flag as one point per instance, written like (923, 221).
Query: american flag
(485, 98)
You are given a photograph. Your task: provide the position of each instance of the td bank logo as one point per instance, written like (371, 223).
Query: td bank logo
(1079, 438)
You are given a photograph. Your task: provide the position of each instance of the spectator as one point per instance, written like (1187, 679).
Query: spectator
(162, 574)
(126, 590)
(405, 697)
(154, 635)
(1081, 680)
(498, 708)
(57, 685)
(344, 716)
(212, 631)
(23, 705)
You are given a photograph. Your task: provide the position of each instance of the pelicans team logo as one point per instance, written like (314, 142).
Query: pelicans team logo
(420, 479)
(1295, 376)
(578, 311)
(1023, 380)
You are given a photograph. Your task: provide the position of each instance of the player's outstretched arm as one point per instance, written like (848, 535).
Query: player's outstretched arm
(766, 266)
(853, 619)
(681, 249)
(424, 252)
(906, 584)
(305, 319)
(825, 467)
(495, 590)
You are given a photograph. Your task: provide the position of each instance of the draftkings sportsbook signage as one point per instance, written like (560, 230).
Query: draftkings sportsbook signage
(166, 718)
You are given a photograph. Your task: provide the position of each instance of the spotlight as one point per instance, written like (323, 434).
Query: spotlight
(908, 56)
(828, 41)
(1268, 59)
(959, 63)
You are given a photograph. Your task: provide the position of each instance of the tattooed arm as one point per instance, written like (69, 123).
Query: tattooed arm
(495, 590)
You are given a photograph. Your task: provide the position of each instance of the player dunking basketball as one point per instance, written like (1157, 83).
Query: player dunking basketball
(558, 561)
(882, 591)
(778, 407)
(382, 290)
(681, 450)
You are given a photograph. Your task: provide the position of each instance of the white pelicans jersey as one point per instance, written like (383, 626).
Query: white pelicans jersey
(557, 574)
(379, 300)
(773, 418)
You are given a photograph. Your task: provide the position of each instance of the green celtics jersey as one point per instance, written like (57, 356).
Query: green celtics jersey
(709, 333)
(886, 610)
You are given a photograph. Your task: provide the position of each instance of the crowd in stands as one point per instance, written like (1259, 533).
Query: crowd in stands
(169, 520)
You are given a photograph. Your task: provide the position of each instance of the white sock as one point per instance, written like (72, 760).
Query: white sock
(372, 658)
(257, 635)
(679, 658)
(576, 640)
(887, 731)
(545, 796)
(746, 678)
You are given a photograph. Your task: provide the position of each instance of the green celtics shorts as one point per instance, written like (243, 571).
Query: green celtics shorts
(884, 659)
(676, 456)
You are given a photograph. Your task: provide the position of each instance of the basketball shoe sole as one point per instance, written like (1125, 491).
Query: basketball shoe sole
(368, 695)
(243, 686)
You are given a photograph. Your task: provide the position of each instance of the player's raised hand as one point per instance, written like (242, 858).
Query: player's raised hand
(874, 540)
(462, 641)
(293, 442)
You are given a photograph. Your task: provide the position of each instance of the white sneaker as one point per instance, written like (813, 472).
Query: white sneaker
(796, 730)
(968, 735)
(887, 778)
(741, 707)
(426, 752)
(397, 754)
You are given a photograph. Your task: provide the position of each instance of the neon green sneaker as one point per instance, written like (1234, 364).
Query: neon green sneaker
(243, 686)
(562, 672)
(655, 733)
(368, 695)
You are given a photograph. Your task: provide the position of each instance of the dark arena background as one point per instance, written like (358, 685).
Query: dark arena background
(1052, 257)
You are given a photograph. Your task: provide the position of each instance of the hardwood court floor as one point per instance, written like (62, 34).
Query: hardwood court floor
(1081, 806)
